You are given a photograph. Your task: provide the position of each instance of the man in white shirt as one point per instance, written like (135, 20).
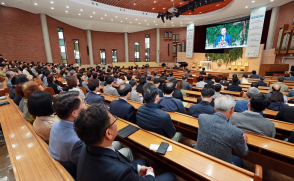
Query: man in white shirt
(201, 83)
(134, 94)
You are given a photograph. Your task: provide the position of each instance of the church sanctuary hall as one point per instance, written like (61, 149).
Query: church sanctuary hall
(146, 90)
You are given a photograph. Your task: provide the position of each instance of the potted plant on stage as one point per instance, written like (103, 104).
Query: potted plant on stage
(219, 63)
(195, 63)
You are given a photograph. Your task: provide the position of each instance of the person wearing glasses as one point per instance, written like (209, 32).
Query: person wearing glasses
(99, 159)
(65, 145)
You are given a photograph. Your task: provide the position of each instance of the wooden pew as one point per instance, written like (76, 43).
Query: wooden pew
(29, 157)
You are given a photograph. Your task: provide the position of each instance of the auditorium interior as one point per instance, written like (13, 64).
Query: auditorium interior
(146, 90)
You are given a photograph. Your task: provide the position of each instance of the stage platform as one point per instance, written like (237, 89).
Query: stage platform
(231, 72)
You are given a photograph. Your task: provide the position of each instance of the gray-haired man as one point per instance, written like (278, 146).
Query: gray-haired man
(217, 137)
(9, 75)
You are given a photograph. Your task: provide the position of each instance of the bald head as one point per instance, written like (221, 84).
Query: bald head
(276, 87)
(125, 90)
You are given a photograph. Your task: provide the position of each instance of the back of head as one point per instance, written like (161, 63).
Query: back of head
(203, 69)
(21, 79)
(129, 77)
(252, 91)
(234, 75)
(150, 92)
(184, 78)
(93, 84)
(189, 71)
(207, 92)
(95, 75)
(80, 75)
(217, 88)
(155, 73)
(276, 87)
(156, 80)
(13, 80)
(253, 72)
(277, 97)
(72, 72)
(40, 104)
(245, 76)
(259, 102)
(72, 82)
(179, 85)
(171, 74)
(133, 83)
(30, 87)
(92, 123)
(64, 104)
(254, 84)
(124, 89)
(50, 78)
(209, 77)
(281, 78)
(235, 80)
(109, 80)
(262, 77)
(9, 74)
(217, 80)
(292, 73)
(142, 80)
(224, 103)
(169, 87)
(224, 78)
(201, 78)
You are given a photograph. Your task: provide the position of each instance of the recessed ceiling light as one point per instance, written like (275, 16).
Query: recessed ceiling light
(156, 24)
(52, 2)
(67, 7)
(272, 0)
(139, 23)
(163, 25)
(115, 16)
(246, 6)
(52, 8)
(173, 25)
(154, 21)
(181, 25)
(105, 15)
(111, 19)
(126, 18)
(93, 12)
(35, 4)
(66, 11)
(172, 22)
(121, 21)
(90, 16)
(101, 18)
(145, 20)
(147, 24)
(253, 1)
(81, 10)
(190, 22)
(79, 14)
(130, 22)
(136, 19)
(2, 3)
(181, 22)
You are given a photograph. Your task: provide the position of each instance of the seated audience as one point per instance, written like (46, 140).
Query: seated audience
(101, 78)
(277, 88)
(25, 72)
(44, 75)
(217, 137)
(203, 72)
(20, 79)
(234, 86)
(204, 106)
(142, 81)
(241, 105)
(170, 76)
(154, 76)
(251, 120)
(284, 88)
(291, 138)
(12, 90)
(51, 79)
(9, 75)
(168, 102)
(99, 159)
(82, 82)
(224, 81)
(199, 99)
(151, 118)
(234, 76)
(217, 82)
(129, 77)
(181, 88)
(94, 96)
(186, 85)
(209, 79)
(261, 82)
(157, 82)
(254, 75)
(291, 77)
(244, 78)
(72, 83)
(201, 83)
(177, 94)
(217, 89)
(277, 101)
(161, 86)
(109, 89)
(286, 114)
(40, 106)
(120, 80)
(121, 108)
(134, 94)
(188, 73)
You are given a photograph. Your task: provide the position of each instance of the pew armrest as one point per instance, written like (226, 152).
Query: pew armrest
(258, 173)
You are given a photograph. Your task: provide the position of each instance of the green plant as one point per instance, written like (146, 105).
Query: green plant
(231, 56)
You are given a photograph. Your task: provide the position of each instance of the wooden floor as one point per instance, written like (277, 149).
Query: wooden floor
(6, 171)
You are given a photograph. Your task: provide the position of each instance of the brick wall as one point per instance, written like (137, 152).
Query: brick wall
(286, 14)
(140, 37)
(164, 43)
(108, 41)
(70, 33)
(21, 35)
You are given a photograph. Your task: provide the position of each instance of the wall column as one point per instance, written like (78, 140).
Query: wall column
(157, 45)
(89, 40)
(126, 48)
(46, 38)
(272, 28)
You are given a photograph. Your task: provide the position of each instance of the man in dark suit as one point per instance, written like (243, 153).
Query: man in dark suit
(234, 86)
(261, 82)
(177, 94)
(224, 37)
(97, 128)
(121, 108)
(254, 75)
(142, 81)
(203, 73)
(204, 106)
(188, 74)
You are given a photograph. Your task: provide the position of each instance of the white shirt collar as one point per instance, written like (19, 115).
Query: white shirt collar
(110, 147)
(124, 99)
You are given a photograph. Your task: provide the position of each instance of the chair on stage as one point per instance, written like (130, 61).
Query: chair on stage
(232, 64)
(245, 67)
(236, 67)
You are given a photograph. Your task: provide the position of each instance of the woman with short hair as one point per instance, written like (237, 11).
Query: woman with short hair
(73, 83)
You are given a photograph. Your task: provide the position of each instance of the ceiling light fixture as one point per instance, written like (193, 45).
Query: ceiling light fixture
(130, 22)
(66, 11)
(136, 19)
(272, 0)
(253, 1)
(246, 6)
(90, 16)
(52, 8)
(173, 25)
(156, 24)
(181, 25)
(93, 12)
(121, 21)
(52, 2)
(79, 14)
(154, 21)
(3, 3)
(145, 20)
(101, 18)
(126, 18)
(81, 10)
(105, 15)
(115, 16)
(111, 19)
(35, 4)
(67, 7)
(139, 23)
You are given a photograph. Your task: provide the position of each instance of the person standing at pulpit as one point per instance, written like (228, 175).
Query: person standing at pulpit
(224, 38)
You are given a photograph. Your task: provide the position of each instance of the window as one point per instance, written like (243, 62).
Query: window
(147, 48)
(114, 55)
(102, 56)
(77, 51)
(137, 57)
(62, 45)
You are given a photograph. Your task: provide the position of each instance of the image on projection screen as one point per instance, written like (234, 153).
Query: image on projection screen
(227, 35)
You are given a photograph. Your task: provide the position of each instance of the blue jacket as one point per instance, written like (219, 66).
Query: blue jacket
(227, 39)
(92, 98)
(122, 109)
(172, 104)
(254, 76)
(234, 87)
(151, 118)
(291, 93)
(276, 106)
(261, 83)
(203, 107)
(290, 78)
(241, 106)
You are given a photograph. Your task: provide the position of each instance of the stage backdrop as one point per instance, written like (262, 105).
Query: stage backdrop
(254, 62)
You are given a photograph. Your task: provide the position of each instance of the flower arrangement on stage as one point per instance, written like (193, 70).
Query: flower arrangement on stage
(219, 63)
(195, 63)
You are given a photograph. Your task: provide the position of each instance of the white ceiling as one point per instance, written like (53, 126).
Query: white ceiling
(115, 19)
